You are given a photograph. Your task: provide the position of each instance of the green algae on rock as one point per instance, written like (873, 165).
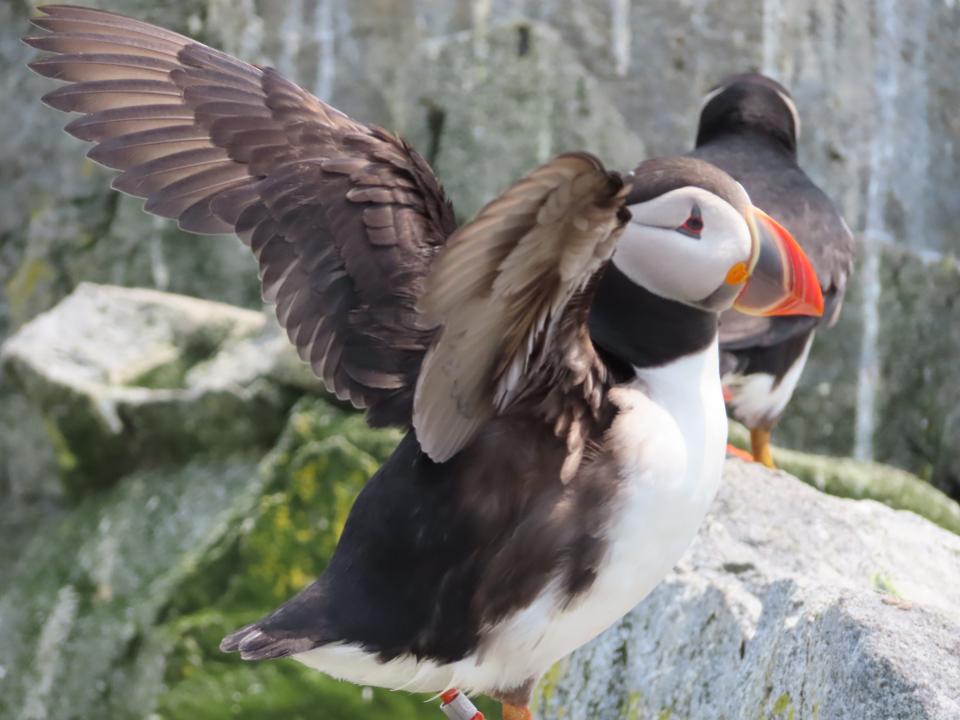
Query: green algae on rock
(860, 480)
(86, 590)
(286, 538)
(117, 611)
(122, 379)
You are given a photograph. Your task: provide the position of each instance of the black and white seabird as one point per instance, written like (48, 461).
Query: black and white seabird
(546, 481)
(749, 127)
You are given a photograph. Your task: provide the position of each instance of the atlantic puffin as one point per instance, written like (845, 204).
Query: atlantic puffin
(547, 481)
(749, 126)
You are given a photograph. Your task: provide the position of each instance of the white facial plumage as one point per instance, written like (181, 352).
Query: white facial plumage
(655, 253)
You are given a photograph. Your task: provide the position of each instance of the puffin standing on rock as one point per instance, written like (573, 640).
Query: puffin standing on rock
(749, 126)
(547, 481)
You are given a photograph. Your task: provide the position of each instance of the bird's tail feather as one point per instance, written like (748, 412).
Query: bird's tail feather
(255, 643)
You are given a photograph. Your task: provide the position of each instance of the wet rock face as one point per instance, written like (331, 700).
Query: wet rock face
(488, 89)
(790, 604)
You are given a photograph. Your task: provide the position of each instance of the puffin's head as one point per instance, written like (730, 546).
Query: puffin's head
(749, 102)
(694, 237)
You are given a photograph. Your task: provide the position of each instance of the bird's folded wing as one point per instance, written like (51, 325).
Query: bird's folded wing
(511, 291)
(343, 218)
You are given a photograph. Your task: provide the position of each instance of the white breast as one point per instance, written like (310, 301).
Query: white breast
(669, 440)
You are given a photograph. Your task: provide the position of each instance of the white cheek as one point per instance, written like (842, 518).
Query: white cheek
(666, 263)
(654, 255)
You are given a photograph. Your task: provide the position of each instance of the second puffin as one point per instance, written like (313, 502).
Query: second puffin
(749, 126)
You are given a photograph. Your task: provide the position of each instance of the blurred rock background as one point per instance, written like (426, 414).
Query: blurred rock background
(132, 483)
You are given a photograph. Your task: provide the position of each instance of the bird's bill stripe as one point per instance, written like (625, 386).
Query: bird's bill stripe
(783, 281)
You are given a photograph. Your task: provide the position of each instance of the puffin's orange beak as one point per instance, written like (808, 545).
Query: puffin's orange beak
(782, 281)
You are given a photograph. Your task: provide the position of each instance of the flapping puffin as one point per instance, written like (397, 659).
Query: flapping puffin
(749, 127)
(546, 481)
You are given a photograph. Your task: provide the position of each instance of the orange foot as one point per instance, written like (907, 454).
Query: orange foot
(515, 712)
(760, 444)
(736, 452)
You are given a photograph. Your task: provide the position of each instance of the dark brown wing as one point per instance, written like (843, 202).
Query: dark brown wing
(511, 291)
(343, 218)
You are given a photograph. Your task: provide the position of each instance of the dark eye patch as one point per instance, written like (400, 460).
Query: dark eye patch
(693, 225)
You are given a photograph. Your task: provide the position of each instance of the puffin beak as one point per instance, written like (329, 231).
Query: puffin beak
(782, 280)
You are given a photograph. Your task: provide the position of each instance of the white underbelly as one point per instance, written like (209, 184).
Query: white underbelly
(673, 436)
(671, 433)
(757, 399)
(661, 506)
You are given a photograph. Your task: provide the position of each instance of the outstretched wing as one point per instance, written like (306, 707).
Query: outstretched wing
(512, 291)
(343, 218)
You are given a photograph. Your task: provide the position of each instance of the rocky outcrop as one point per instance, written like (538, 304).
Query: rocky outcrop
(125, 378)
(790, 604)
(115, 608)
(863, 480)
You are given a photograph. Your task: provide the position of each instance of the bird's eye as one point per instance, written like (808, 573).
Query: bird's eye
(693, 225)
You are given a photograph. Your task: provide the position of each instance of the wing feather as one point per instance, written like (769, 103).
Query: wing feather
(344, 219)
(511, 299)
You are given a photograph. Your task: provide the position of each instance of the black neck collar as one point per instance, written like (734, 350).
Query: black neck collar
(631, 327)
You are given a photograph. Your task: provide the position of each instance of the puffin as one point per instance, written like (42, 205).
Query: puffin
(749, 126)
(551, 473)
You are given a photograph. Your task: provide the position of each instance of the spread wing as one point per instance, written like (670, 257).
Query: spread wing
(512, 291)
(344, 219)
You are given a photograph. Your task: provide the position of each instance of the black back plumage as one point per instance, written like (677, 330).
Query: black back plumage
(434, 553)
(749, 129)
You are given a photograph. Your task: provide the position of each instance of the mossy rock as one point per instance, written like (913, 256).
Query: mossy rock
(861, 480)
(88, 589)
(125, 379)
(286, 539)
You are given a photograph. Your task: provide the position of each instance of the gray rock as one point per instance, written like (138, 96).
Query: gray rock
(88, 588)
(789, 604)
(60, 224)
(129, 377)
(918, 387)
(464, 82)
(863, 480)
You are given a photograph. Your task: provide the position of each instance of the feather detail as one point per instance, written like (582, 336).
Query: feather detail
(509, 294)
(344, 219)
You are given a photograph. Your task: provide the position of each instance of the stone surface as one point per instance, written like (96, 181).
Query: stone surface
(59, 222)
(85, 591)
(915, 404)
(790, 604)
(123, 378)
(918, 400)
(863, 480)
(116, 609)
(556, 105)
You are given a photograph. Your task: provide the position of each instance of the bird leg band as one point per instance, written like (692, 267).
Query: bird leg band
(457, 706)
